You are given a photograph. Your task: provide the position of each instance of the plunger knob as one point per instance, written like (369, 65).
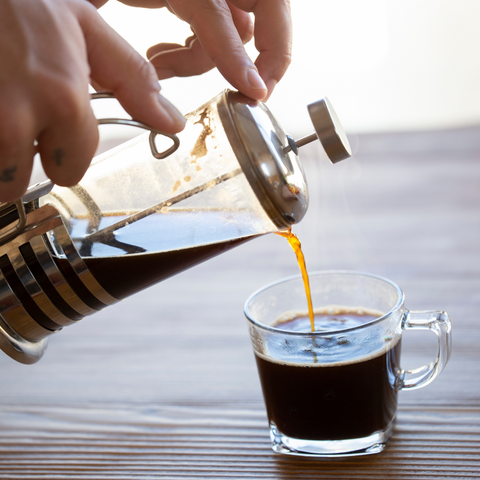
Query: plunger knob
(328, 130)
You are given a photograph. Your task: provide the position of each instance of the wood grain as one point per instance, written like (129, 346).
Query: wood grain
(217, 442)
(164, 385)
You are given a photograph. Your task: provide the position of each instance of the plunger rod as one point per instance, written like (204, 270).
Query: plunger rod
(308, 139)
(295, 144)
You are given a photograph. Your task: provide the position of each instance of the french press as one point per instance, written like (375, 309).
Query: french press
(145, 211)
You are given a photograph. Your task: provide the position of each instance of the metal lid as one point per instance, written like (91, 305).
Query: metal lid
(274, 172)
(268, 156)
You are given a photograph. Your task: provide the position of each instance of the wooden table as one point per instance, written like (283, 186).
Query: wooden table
(164, 385)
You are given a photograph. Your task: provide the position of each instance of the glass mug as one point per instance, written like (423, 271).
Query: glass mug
(333, 392)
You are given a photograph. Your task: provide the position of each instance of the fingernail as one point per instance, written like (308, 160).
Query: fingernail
(255, 80)
(172, 111)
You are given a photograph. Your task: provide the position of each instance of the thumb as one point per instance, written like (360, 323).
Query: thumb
(122, 70)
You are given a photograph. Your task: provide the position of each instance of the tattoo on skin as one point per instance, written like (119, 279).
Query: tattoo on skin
(58, 156)
(8, 174)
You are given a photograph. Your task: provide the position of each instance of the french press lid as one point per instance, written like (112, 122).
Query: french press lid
(268, 155)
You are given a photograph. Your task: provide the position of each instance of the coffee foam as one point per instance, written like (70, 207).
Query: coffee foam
(319, 364)
(327, 310)
(331, 310)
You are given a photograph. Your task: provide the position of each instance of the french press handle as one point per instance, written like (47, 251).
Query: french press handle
(134, 123)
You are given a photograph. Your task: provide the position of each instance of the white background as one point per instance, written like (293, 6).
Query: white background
(385, 65)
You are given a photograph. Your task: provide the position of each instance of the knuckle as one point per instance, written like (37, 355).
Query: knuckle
(14, 134)
(218, 10)
(14, 176)
(70, 103)
(282, 64)
(66, 153)
(67, 177)
(146, 73)
(82, 8)
(142, 76)
(287, 59)
(220, 6)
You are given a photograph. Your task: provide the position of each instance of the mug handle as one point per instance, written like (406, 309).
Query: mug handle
(439, 323)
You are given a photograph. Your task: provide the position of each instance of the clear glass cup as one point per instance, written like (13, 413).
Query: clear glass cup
(333, 392)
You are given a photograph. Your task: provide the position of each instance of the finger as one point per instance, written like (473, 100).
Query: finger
(215, 28)
(68, 144)
(243, 23)
(98, 3)
(173, 59)
(178, 60)
(65, 127)
(145, 3)
(16, 149)
(165, 47)
(273, 37)
(162, 63)
(119, 68)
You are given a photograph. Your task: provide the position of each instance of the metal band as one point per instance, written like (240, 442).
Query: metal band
(80, 268)
(17, 317)
(57, 278)
(36, 298)
(36, 292)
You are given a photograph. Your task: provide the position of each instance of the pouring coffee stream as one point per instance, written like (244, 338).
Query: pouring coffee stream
(297, 248)
(140, 216)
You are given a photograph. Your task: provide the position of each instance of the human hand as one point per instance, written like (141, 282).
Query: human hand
(49, 52)
(220, 29)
